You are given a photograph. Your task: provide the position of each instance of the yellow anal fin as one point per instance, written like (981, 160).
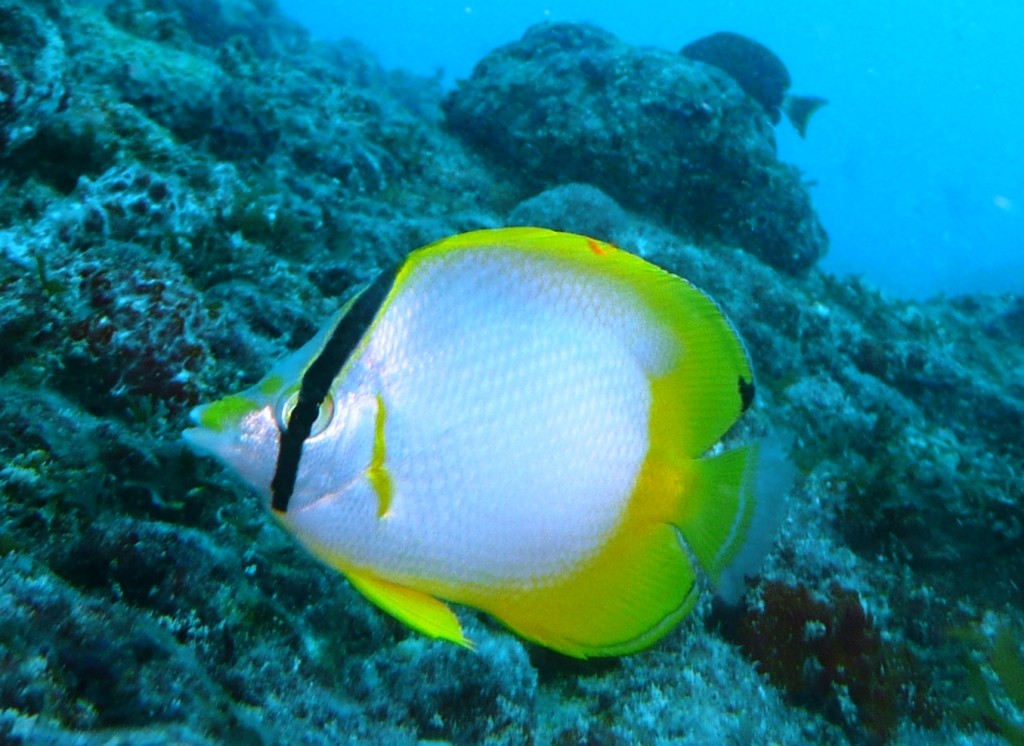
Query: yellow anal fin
(418, 610)
(623, 600)
(713, 517)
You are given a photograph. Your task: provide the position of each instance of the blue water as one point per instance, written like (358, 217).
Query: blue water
(918, 158)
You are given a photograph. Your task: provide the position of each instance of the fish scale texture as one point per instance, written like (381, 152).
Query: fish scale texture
(516, 421)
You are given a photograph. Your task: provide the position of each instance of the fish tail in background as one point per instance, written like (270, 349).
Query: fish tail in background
(732, 509)
(799, 109)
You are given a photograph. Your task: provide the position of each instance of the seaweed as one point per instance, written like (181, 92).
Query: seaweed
(829, 657)
(995, 668)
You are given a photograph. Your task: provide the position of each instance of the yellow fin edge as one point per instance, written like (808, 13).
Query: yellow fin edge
(418, 610)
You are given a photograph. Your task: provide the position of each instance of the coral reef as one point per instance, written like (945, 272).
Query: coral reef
(665, 136)
(827, 655)
(996, 665)
(190, 188)
(32, 86)
(576, 208)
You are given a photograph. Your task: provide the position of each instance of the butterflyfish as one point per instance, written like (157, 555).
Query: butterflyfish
(514, 420)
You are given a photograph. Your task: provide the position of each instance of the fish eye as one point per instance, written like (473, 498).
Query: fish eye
(323, 419)
(284, 410)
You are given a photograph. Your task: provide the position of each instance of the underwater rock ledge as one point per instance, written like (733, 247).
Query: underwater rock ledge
(663, 135)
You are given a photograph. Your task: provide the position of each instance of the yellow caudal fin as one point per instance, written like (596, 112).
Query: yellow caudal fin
(731, 510)
(422, 612)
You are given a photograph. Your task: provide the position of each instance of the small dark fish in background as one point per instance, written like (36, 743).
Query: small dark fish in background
(759, 72)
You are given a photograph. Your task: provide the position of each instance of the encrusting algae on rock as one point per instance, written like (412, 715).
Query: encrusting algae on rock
(516, 420)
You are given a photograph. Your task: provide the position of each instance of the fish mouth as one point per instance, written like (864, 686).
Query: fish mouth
(200, 439)
(195, 415)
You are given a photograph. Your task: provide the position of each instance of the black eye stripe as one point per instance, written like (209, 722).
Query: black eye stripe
(317, 380)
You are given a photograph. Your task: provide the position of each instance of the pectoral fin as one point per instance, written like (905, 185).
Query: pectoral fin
(422, 612)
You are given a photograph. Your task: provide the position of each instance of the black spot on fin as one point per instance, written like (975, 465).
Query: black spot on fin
(746, 394)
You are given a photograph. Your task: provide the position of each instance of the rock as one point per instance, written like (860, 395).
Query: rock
(663, 135)
(576, 208)
(32, 88)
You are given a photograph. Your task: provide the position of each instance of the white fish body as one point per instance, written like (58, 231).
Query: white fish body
(513, 420)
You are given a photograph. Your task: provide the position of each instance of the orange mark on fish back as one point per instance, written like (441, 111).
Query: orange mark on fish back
(595, 247)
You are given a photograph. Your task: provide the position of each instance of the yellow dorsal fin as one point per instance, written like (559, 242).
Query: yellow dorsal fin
(421, 611)
(711, 384)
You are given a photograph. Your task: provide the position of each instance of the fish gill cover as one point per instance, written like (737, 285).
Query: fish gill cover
(188, 191)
